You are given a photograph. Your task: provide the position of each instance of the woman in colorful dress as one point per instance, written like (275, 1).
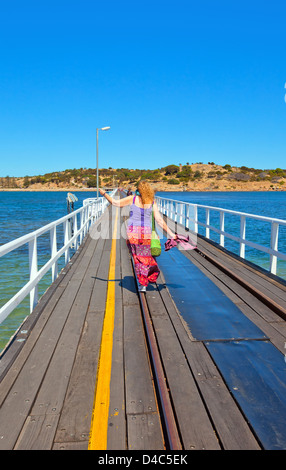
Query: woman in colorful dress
(139, 229)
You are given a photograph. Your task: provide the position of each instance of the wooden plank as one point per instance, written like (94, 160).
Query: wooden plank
(140, 396)
(230, 425)
(50, 398)
(272, 288)
(37, 319)
(21, 396)
(37, 433)
(144, 431)
(80, 412)
(196, 430)
(117, 433)
(74, 424)
(75, 420)
(82, 445)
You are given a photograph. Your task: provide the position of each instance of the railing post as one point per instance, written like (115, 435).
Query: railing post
(188, 216)
(33, 266)
(80, 226)
(242, 236)
(181, 207)
(274, 246)
(66, 240)
(75, 231)
(53, 244)
(88, 222)
(196, 218)
(84, 221)
(207, 222)
(221, 227)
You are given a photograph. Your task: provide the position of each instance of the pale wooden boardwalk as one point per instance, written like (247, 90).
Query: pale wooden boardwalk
(48, 381)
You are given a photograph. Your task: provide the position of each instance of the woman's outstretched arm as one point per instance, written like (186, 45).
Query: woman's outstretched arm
(116, 202)
(162, 222)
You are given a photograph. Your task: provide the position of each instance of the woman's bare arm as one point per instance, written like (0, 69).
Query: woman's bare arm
(161, 221)
(116, 202)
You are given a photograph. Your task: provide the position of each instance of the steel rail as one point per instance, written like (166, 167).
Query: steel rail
(167, 415)
(168, 421)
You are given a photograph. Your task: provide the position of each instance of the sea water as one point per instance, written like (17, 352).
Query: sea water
(22, 212)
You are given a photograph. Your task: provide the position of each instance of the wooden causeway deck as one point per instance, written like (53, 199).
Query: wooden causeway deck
(48, 381)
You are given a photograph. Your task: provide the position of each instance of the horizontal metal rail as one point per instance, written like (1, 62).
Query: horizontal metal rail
(187, 215)
(75, 227)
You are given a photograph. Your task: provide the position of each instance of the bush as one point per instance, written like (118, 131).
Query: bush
(26, 182)
(171, 169)
(91, 182)
(277, 172)
(239, 177)
(185, 174)
(173, 181)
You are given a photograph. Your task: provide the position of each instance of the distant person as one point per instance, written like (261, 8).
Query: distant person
(139, 228)
(129, 192)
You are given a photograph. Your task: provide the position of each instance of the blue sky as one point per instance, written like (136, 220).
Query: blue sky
(177, 82)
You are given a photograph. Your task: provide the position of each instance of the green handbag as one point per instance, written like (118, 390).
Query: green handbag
(155, 240)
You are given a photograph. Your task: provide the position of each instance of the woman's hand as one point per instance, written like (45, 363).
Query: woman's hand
(171, 234)
(102, 192)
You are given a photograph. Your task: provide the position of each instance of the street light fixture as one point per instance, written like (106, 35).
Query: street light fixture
(98, 129)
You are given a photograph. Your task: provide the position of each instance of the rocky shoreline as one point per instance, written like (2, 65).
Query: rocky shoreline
(157, 188)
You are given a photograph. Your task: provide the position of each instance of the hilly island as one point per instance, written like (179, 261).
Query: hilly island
(174, 177)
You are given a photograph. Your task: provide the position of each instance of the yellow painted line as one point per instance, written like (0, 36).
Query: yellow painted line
(99, 422)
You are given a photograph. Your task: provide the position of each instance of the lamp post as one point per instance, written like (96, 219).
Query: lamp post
(98, 129)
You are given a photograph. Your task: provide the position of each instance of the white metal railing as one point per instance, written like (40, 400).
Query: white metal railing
(187, 214)
(75, 227)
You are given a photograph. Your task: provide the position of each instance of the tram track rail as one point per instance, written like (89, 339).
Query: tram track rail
(166, 410)
(168, 420)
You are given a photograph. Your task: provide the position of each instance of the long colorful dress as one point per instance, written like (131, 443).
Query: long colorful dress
(139, 229)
